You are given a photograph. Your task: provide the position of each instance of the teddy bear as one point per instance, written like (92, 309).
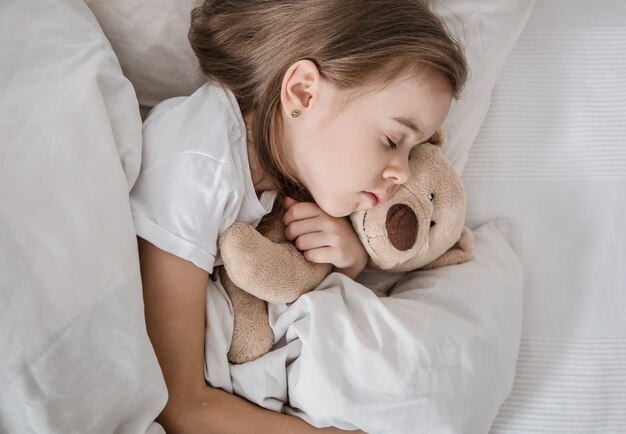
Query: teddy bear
(420, 227)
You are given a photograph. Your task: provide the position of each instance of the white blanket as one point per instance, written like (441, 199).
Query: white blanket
(437, 355)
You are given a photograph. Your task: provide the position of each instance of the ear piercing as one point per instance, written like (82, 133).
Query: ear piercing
(295, 113)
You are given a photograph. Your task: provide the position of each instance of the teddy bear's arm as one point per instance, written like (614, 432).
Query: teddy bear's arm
(274, 272)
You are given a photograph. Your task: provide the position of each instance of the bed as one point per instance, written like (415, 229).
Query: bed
(528, 337)
(551, 156)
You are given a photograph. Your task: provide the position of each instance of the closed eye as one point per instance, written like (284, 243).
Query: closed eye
(391, 143)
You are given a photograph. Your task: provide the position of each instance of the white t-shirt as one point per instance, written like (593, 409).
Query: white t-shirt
(195, 178)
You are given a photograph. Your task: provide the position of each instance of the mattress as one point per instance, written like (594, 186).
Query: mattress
(551, 156)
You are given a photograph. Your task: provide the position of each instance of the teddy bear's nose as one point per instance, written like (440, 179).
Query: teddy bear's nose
(401, 226)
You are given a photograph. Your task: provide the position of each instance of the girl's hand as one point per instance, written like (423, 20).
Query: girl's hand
(323, 238)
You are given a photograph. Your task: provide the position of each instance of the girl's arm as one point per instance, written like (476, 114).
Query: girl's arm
(175, 300)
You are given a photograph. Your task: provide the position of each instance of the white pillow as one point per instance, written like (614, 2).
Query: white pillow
(75, 353)
(150, 39)
(488, 30)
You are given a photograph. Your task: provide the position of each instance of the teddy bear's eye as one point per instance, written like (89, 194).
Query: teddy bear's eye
(432, 223)
(431, 197)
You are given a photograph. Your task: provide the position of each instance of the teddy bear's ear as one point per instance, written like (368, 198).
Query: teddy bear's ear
(462, 251)
(439, 139)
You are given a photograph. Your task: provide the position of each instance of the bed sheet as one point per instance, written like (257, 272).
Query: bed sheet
(551, 156)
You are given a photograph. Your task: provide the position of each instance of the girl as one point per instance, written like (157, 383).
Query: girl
(319, 101)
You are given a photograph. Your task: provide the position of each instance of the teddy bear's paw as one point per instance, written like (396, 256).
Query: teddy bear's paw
(250, 340)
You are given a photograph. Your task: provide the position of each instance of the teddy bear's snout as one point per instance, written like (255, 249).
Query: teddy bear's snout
(401, 226)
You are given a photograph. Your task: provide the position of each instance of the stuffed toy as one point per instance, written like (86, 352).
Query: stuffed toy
(420, 227)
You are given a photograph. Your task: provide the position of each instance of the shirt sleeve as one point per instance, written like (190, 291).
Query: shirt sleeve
(183, 203)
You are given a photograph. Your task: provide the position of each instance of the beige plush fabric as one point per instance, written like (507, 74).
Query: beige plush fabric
(252, 334)
(272, 271)
(284, 275)
(424, 219)
(422, 226)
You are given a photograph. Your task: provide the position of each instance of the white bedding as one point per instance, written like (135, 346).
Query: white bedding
(74, 352)
(551, 156)
(437, 355)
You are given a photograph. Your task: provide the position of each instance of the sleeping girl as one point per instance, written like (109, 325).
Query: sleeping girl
(315, 104)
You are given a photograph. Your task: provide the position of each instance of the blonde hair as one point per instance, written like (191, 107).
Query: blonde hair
(248, 45)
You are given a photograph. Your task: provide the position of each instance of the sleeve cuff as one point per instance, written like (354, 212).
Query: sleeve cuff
(165, 240)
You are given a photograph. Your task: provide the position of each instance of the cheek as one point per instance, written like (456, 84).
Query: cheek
(334, 147)
(343, 152)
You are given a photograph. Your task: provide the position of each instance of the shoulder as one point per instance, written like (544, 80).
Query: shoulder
(192, 152)
(211, 98)
(207, 123)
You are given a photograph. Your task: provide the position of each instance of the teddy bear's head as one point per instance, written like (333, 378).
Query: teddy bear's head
(422, 226)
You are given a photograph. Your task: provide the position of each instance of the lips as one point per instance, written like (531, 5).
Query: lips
(376, 198)
(382, 197)
(373, 198)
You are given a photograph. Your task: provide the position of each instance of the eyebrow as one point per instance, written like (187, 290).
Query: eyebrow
(409, 124)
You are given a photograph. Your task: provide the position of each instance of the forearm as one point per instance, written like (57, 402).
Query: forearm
(216, 411)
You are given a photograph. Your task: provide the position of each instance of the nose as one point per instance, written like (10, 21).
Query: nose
(398, 171)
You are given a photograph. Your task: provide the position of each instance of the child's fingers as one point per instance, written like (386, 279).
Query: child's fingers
(300, 227)
(330, 254)
(322, 255)
(301, 211)
(314, 240)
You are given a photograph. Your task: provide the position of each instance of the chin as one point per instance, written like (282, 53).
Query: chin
(338, 208)
(337, 211)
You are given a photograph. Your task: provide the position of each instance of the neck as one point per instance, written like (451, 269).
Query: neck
(260, 180)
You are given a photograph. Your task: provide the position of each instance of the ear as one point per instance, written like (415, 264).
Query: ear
(300, 86)
(462, 251)
(439, 139)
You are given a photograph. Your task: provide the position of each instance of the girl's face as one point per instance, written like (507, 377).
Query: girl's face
(353, 156)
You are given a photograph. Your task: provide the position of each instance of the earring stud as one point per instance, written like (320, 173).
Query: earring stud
(295, 113)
